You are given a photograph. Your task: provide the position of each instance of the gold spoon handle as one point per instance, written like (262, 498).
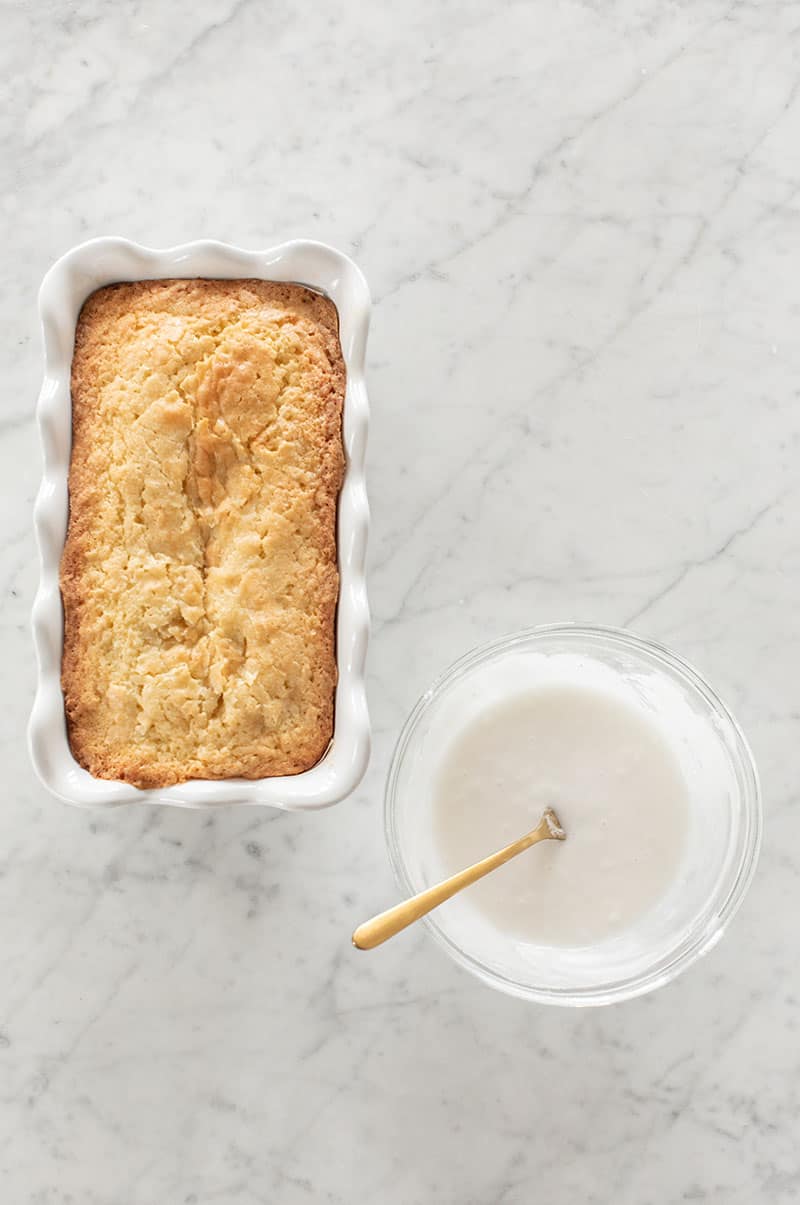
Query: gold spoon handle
(374, 932)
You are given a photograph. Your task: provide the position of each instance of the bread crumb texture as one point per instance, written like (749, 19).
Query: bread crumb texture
(199, 573)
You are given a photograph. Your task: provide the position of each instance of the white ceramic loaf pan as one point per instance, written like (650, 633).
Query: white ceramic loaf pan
(64, 289)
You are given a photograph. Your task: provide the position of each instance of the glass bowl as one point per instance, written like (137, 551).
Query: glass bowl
(724, 823)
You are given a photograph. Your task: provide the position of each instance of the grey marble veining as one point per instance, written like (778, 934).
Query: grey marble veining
(580, 224)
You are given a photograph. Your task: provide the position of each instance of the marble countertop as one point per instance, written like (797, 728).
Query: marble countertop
(580, 225)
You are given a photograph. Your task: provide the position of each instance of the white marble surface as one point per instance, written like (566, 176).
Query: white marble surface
(581, 225)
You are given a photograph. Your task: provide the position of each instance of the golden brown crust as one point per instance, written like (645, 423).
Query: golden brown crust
(199, 573)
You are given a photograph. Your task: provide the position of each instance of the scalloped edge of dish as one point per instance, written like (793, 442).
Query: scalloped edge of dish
(68, 283)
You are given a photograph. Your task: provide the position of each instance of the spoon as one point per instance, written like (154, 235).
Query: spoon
(378, 930)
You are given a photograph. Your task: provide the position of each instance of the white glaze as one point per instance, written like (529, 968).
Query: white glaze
(611, 775)
(722, 834)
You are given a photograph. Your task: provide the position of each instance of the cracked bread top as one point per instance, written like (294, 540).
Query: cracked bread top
(199, 574)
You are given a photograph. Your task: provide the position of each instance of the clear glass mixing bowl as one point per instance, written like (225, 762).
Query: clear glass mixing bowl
(724, 831)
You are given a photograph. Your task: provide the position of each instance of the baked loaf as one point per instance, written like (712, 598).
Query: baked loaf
(199, 574)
